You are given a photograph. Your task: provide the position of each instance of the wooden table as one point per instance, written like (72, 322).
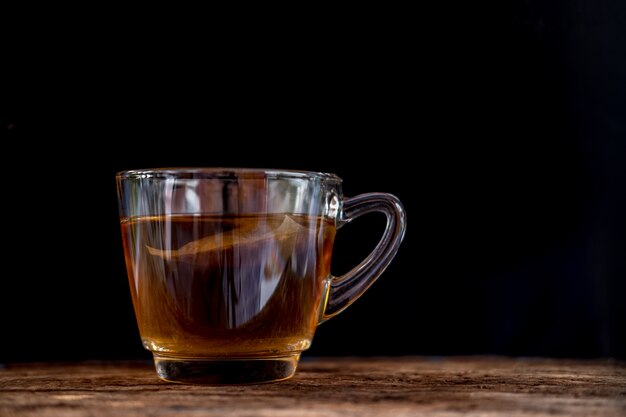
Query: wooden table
(327, 387)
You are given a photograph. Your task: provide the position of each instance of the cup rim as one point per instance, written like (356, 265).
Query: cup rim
(224, 173)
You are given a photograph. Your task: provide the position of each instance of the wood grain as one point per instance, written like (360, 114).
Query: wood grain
(327, 387)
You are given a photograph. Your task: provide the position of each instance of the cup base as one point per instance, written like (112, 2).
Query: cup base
(222, 371)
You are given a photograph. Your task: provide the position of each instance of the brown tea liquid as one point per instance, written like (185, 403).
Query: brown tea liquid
(212, 286)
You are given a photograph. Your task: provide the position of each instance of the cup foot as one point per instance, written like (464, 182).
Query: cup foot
(221, 371)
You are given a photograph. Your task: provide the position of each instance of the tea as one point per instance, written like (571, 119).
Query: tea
(220, 285)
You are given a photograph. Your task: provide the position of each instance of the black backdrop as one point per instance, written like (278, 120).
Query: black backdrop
(502, 128)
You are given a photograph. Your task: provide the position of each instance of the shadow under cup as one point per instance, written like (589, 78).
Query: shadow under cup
(229, 269)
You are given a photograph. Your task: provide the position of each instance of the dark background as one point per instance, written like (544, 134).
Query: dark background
(502, 128)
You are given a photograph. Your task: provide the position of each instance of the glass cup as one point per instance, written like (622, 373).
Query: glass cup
(229, 269)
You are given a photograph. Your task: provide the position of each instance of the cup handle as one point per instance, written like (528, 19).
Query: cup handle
(344, 290)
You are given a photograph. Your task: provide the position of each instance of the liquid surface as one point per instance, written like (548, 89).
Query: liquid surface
(211, 286)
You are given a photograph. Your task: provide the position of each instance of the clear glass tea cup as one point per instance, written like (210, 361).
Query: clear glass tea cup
(229, 269)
